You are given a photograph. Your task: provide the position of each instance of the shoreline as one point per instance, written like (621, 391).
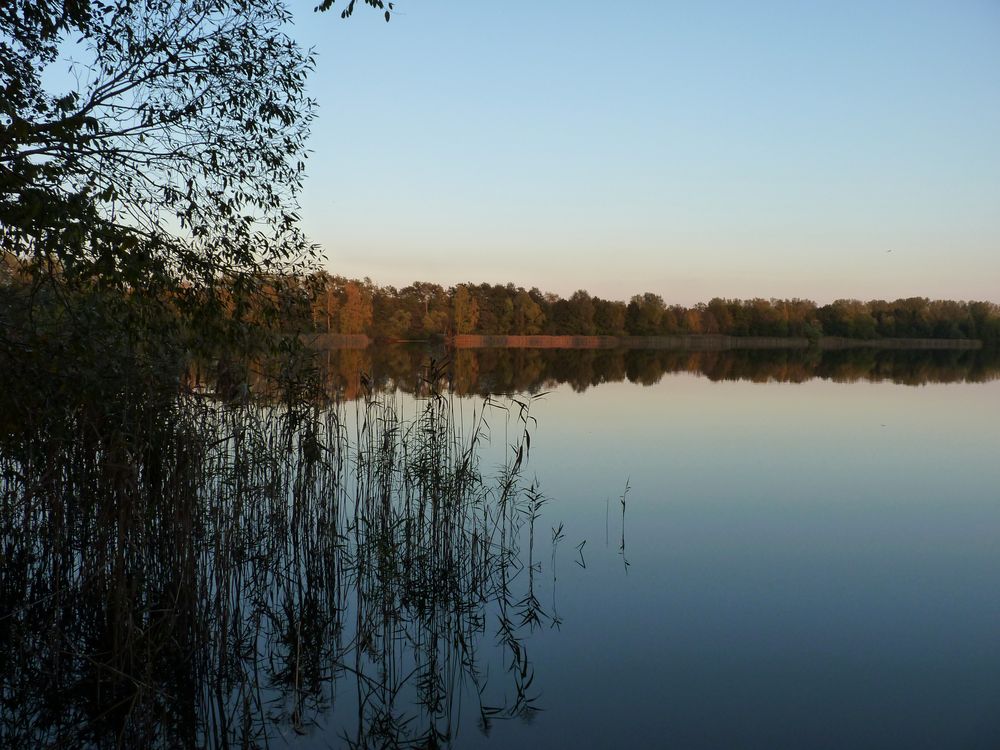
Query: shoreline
(703, 342)
(689, 342)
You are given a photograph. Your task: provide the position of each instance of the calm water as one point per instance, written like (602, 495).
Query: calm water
(807, 555)
(810, 565)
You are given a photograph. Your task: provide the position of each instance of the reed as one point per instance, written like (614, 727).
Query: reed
(186, 571)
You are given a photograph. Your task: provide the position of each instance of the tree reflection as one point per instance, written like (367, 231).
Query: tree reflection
(510, 371)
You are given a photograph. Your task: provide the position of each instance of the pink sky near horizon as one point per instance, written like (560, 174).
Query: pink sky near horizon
(780, 150)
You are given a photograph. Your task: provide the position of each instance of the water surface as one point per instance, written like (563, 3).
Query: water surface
(810, 565)
(699, 550)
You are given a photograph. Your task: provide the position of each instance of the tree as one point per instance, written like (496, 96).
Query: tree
(172, 159)
(609, 317)
(324, 301)
(721, 312)
(985, 318)
(913, 316)
(644, 314)
(356, 311)
(466, 310)
(582, 313)
(849, 318)
(528, 316)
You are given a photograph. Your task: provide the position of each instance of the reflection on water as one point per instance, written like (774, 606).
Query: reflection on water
(485, 371)
(738, 562)
(811, 565)
(263, 572)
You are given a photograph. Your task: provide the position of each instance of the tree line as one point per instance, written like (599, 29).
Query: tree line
(325, 303)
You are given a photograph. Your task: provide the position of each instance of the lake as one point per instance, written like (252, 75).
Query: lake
(810, 565)
(723, 549)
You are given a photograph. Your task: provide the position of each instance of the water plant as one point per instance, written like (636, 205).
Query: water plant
(212, 573)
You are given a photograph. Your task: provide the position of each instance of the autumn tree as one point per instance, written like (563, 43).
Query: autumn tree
(800, 317)
(673, 319)
(466, 310)
(356, 309)
(722, 312)
(325, 301)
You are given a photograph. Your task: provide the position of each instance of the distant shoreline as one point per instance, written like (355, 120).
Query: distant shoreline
(690, 342)
(700, 342)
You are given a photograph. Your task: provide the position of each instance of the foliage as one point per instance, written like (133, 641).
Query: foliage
(150, 157)
(169, 158)
(424, 310)
(349, 10)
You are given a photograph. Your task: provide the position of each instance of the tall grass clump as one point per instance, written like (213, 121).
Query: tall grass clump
(188, 567)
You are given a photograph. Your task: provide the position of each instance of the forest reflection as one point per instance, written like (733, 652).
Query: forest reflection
(511, 371)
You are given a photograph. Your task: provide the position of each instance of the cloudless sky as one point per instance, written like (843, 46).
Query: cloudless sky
(732, 149)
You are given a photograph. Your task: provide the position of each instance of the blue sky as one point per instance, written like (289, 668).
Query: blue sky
(689, 149)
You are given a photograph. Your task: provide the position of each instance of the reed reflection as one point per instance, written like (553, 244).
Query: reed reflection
(263, 570)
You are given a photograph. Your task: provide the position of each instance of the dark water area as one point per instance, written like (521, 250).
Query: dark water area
(748, 549)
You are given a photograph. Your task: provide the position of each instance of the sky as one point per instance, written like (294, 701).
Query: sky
(693, 150)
